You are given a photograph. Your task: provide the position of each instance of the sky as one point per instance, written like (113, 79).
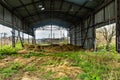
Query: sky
(39, 33)
(4, 29)
(57, 32)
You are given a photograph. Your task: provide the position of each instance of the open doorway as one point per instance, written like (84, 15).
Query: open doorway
(106, 38)
(51, 34)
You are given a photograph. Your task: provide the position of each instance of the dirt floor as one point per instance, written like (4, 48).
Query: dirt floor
(26, 66)
(37, 68)
(59, 62)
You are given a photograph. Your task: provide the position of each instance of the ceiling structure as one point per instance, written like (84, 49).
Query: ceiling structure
(43, 12)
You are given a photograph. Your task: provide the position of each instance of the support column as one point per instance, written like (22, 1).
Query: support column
(33, 37)
(28, 39)
(13, 32)
(33, 40)
(51, 35)
(94, 33)
(75, 36)
(22, 37)
(117, 8)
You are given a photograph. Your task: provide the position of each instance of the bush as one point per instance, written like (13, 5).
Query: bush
(7, 51)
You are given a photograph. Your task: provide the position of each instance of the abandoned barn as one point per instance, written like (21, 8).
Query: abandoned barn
(80, 17)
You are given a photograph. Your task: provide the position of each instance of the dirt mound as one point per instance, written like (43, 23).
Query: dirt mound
(24, 51)
(50, 48)
(29, 46)
(62, 48)
(37, 48)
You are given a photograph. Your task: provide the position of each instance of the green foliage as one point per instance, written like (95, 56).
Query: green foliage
(33, 54)
(64, 78)
(7, 50)
(30, 68)
(48, 75)
(12, 69)
(18, 46)
(102, 48)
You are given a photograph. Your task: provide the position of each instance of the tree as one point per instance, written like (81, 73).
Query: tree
(108, 33)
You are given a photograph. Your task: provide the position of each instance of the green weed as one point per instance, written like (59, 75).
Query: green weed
(7, 51)
(30, 68)
(9, 71)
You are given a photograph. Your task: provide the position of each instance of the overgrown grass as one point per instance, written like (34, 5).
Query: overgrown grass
(9, 71)
(30, 68)
(102, 48)
(30, 54)
(95, 65)
(7, 50)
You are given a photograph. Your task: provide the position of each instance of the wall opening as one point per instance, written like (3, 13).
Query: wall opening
(51, 34)
(106, 37)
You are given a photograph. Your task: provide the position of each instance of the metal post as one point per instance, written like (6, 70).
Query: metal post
(33, 39)
(51, 33)
(94, 32)
(28, 39)
(117, 8)
(13, 32)
(75, 37)
(13, 37)
(1, 39)
(22, 37)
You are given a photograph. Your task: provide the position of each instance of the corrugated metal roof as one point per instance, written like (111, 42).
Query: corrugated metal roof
(69, 11)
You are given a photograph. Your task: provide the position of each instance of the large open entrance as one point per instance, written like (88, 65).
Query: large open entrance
(59, 40)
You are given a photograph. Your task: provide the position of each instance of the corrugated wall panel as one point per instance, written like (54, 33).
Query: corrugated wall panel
(99, 17)
(8, 16)
(1, 12)
(110, 11)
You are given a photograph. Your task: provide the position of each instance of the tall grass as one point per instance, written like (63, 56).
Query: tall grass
(96, 65)
(7, 50)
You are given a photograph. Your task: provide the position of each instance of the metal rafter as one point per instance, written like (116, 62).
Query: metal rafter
(36, 9)
(55, 12)
(61, 5)
(28, 4)
(26, 9)
(57, 0)
(81, 7)
(69, 9)
(58, 17)
(9, 9)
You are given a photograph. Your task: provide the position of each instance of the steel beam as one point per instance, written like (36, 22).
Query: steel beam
(117, 8)
(15, 8)
(13, 32)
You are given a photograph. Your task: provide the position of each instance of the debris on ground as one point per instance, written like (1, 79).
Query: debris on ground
(50, 48)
